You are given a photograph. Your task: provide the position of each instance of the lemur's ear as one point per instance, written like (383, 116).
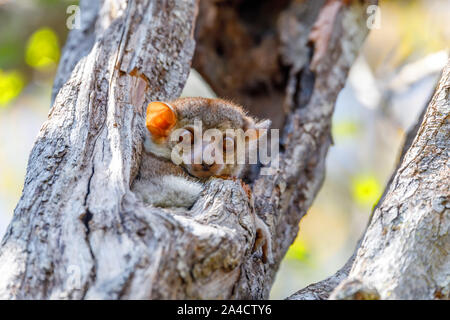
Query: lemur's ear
(161, 118)
(260, 128)
(265, 124)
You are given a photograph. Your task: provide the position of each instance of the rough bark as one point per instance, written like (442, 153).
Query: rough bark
(79, 42)
(322, 290)
(78, 231)
(282, 84)
(404, 253)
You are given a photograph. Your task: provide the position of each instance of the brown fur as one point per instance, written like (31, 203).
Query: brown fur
(162, 183)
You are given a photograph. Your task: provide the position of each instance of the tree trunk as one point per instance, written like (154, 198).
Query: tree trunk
(78, 231)
(404, 252)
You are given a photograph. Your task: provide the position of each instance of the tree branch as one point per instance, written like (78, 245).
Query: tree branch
(91, 241)
(353, 288)
(79, 232)
(321, 290)
(268, 70)
(404, 253)
(78, 44)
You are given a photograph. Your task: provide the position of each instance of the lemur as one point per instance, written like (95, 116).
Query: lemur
(169, 177)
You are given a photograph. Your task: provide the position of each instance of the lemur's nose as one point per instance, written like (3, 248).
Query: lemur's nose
(206, 166)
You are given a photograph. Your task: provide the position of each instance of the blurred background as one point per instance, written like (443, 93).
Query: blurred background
(388, 86)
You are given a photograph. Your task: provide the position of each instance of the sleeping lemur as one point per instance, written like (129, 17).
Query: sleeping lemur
(176, 163)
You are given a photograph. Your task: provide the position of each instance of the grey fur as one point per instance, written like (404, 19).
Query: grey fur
(162, 183)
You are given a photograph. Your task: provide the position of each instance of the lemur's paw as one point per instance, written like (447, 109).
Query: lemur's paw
(263, 240)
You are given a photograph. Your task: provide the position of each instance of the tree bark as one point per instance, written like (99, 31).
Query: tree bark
(404, 252)
(78, 232)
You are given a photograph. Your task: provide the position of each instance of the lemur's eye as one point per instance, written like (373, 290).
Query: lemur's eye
(228, 144)
(187, 136)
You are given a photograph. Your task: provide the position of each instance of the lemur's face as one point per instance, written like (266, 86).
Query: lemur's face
(207, 137)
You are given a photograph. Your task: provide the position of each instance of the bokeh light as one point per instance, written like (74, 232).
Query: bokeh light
(11, 84)
(42, 50)
(344, 129)
(298, 251)
(366, 189)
